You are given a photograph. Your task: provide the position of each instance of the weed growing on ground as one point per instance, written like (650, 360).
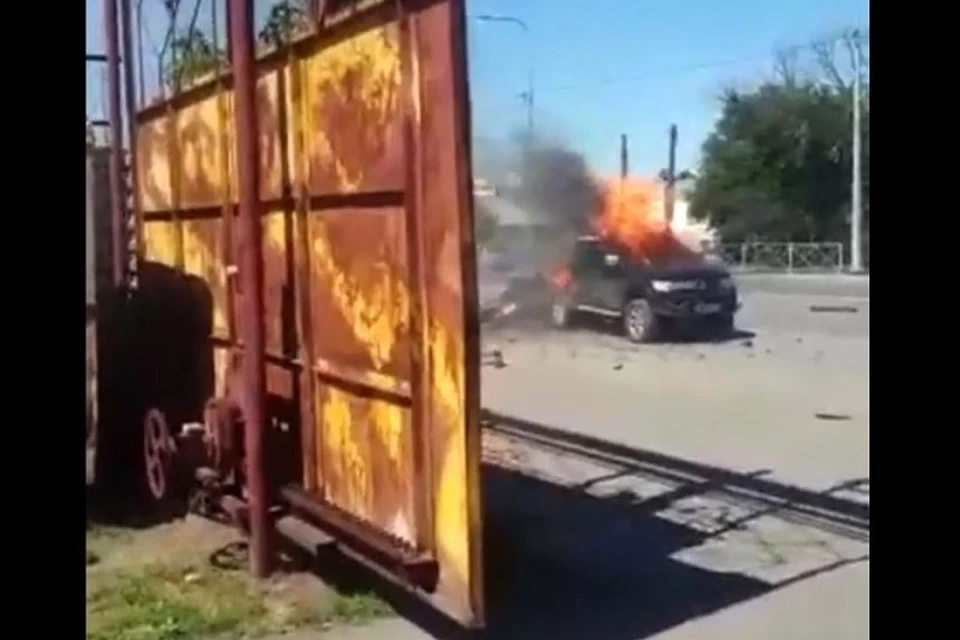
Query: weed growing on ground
(185, 596)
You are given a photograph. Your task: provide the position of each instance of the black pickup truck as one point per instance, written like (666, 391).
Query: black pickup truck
(648, 297)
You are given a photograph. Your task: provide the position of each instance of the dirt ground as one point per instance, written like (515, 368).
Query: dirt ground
(188, 578)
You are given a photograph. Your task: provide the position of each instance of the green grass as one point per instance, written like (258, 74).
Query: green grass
(357, 608)
(167, 603)
(160, 603)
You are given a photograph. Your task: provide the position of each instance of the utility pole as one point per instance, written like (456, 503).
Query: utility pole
(669, 194)
(856, 212)
(624, 157)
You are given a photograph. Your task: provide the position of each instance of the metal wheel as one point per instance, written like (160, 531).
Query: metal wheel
(560, 314)
(158, 450)
(639, 323)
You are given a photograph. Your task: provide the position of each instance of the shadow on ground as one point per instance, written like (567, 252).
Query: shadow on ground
(563, 564)
(823, 509)
(536, 321)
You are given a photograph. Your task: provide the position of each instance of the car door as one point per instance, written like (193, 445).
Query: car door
(609, 287)
(588, 275)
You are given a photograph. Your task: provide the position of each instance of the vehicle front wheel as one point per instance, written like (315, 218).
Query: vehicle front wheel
(639, 321)
(560, 314)
(723, 325)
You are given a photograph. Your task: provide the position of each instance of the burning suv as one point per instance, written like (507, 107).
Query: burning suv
(647, 296)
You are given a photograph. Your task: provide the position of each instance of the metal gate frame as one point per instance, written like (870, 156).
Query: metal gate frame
(434, 195)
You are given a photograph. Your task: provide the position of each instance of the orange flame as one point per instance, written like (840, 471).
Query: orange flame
(631, 216)
(560, 277)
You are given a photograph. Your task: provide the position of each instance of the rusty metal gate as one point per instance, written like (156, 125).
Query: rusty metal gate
(369, 294)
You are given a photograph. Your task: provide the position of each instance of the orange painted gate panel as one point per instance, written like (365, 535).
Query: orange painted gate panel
(370, 298)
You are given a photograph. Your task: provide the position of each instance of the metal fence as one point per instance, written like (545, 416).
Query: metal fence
(793, 257)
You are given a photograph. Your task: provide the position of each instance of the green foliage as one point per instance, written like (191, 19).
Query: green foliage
(191, 56)
(486, 223)
(285, 20)
(778, 163)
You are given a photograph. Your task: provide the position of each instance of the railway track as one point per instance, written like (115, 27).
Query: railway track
(829, 510)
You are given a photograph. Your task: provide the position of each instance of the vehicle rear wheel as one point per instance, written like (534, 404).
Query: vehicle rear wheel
(639, 321)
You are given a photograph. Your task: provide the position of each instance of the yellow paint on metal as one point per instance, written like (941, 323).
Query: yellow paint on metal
(268, 114)
(274, 226)
(343, 453)
(387, 422)
(274, 231)
(154, 166)
(377, 312)
(452, 521)
(160, 242)
(160, 245)
(368, 67)
(198, 127)
(201, 261)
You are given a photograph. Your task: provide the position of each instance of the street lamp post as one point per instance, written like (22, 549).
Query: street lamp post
(528, 95)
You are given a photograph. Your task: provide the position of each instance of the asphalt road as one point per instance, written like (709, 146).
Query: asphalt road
(753, 400)
(806, 284)
(788, 400)
(609, 554)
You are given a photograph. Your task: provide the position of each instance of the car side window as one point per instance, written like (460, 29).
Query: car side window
(588, 259)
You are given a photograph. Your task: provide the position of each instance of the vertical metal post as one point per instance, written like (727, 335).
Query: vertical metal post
(529, 100)
(856, 212)
(140, 73)
(131, 108)
(790, 247)
(624, 157)
(116, 138)
(250, 261)
(229, 20)
(670, 193)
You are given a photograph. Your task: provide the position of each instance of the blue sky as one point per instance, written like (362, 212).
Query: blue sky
(605, 67)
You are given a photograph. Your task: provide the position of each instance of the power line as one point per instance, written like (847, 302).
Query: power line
(863, 37)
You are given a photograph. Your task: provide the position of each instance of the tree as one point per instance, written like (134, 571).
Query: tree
(286, 19)
(486, 223)
(778, 163)
(191, 56)
(190, 52)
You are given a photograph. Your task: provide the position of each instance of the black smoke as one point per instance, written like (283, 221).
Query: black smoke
(550, 183)
(555, 183)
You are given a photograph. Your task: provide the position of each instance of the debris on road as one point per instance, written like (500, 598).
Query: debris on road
(816, 308)
(494, 359)
(832, 416)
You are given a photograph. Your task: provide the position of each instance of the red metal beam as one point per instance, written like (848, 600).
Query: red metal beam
(116, 137)
(250, 259)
